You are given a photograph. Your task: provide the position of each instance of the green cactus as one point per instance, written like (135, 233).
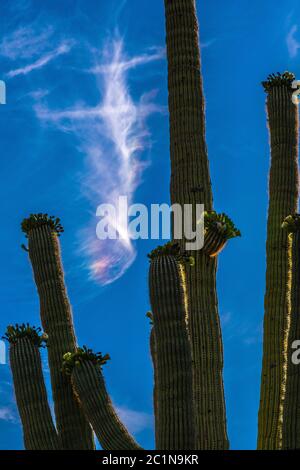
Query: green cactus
(89, 385)
(283, 200)
(78, 386)
(153, 352)
(35, 221)
(290, 439)
(175, 416)
(191, 184)
(278, 80)
(198, 415)
(218, 229)
(38, 429)
(81, 369)
(42, 232)
(70, 360)
(185, 339)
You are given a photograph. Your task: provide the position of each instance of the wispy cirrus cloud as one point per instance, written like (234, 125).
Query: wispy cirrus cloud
(34, 47)
(206, 44)
(63, 48)
(25, 42)
(8, 414)
(123, 65)
(8, 408)
(292, 43)
(112, 135)
(135, 421)
(240, 329)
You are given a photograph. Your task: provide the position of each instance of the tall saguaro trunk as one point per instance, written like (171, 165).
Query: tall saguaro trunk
(190, 184)
(291, 407)
(283, 200)
(153, 351)
(174, 407)
(56, 316)
(31, 396)
(88, 382)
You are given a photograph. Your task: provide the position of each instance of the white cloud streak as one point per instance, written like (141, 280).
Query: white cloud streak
(112, 136)
(25, 42)
(63, 48)
(292, 44)
(7, 414)
(123, 66)
(135, 421)
(240, 329)
(207, 44)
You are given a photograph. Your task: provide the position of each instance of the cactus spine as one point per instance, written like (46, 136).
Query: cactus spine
(283, 200)
(56, 316)
(190, 184)
(175, 417)
(39, 432)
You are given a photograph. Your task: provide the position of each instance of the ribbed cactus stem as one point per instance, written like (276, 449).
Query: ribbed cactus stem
(190, 184)
(283, 200)
(218, 229)
(156, 380)
(291, 405)
(175, 413)
(214, 243)
(186, 104)
(89, 385)
(56, 317)
(38, 429)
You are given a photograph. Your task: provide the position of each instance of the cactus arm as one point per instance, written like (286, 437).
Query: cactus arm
(56, 316)
(283, 197)
(190, 184)
(291, 404)
(39, 432)
(218, 229)
(156, 381)
(186, 102)
(89, 386)
(174, 408)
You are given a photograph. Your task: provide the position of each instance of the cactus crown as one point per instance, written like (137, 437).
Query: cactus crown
(14, 333)
(171, 249)
(222, 223)
(291, 223)
(71, 360)
(278, 79)
(38, 220)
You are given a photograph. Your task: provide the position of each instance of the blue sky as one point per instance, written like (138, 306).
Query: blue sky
(86, 120)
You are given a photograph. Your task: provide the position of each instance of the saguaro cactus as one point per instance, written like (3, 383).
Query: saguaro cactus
(31, 396)
(283, 200)
(190, 184)
(85, 369)
(171, 352)
(291, 404)
(174, 409)
(186, 339)
(56, 316)
(153, 352)
(218, 229)
(80, 370)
